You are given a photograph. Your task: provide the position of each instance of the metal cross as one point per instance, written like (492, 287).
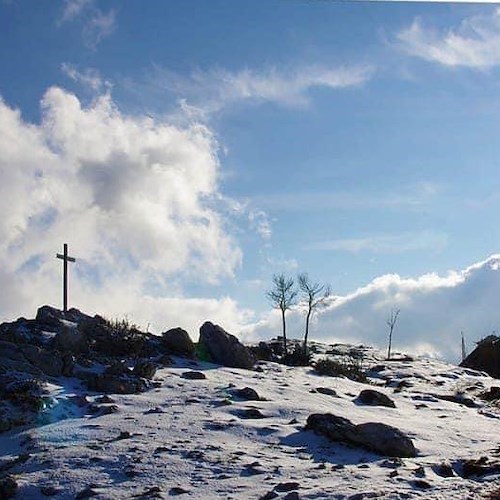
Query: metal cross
(66, 258)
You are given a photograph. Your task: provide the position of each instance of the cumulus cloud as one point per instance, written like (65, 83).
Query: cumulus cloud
(211, 91)
(434, 310)
(475, 43)
(97, 24)
(135, 198)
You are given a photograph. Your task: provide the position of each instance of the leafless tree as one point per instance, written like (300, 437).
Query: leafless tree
(282, 296)
(391, 323)
(315, 296)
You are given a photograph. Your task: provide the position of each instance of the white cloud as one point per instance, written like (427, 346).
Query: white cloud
(434, 309)
(386, 243)
(97, 24)
(89, 78)
(73, 8)
(475, 43)
(211, 91)
(136, 199)
(410, 197)
(259, 221)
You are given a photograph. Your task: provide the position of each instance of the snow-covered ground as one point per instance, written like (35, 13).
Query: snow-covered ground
(191, 438)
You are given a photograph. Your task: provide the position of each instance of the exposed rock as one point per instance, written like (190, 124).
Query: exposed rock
(374, 436)
(49, 363)
(247, 393)
(290, 486)
(71, 340)
(251, 413)
(492, 394)
(443, 470)
(225, 348)
(177, 490)
(374, 398)
(118, 384)
(479, 467)
(485, 357)
(117, 368)
(178, 341)
(194, 375)
(458, 399)
(327, 391)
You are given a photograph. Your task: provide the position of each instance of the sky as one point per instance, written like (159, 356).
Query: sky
(187, 151)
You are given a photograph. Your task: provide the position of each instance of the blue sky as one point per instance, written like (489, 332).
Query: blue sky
(212, 144)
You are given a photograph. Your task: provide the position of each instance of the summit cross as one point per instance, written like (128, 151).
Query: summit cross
(65, 258)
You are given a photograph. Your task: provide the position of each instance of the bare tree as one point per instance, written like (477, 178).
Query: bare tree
(282, 297)
(391, 323)
(315, 296)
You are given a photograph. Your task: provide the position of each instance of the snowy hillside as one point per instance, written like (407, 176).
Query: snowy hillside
(197, 438)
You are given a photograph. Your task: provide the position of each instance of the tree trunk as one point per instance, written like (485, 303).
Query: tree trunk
(390, 342)
(307, 332)
(284, 332)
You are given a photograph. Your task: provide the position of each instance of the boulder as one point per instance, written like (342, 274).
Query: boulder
(378, 437)
(225, 348)
(50, 363)
(71, 340)
(247, 393)
(485, 357)
(374, 398)
(118, 384)
(177, 341)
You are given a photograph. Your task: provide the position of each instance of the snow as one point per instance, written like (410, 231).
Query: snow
(183, 434)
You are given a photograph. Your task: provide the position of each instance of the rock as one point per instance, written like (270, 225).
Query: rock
(485, 357)
(477, 467)
(225, 348)
(144, 369)
(374, 398)
(327, 391)
(47, 362)
(282, 487)
(176, 490)
(380, 438)
(101, 410)
(251, 413)
(71, 340)
(193, 375)
(247, 393)
(443, 470)
(269, 495)
(421, 484)
(117, 368)
(113, 384)
(458, 399)
(8, 487)
(492, 394)
(178, 341)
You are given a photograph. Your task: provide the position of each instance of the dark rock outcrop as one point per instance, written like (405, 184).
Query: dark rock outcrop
(380, 438)
(178, 341)
(485, 357)
(374, 398)
(224, 348)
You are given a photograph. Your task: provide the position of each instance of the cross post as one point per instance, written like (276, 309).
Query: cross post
(65, 258)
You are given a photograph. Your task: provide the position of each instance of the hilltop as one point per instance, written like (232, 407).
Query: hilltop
(167, 422)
